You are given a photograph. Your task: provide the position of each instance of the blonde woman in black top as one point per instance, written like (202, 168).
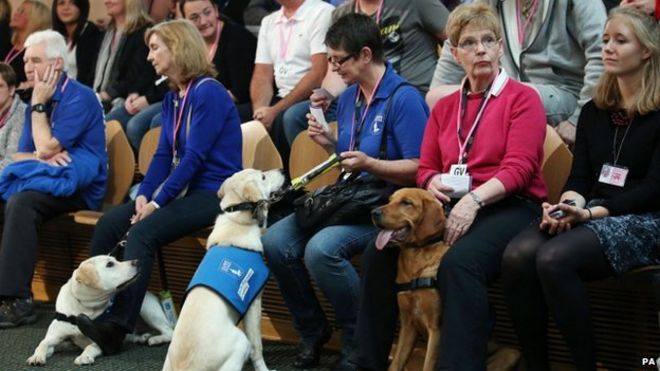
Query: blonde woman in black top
(613, 224)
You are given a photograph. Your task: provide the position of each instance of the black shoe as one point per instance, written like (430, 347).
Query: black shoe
(107, 335)
(16, 312)
(310, 353)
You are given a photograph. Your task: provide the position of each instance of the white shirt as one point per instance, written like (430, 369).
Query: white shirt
(289, 43)
(70, 60)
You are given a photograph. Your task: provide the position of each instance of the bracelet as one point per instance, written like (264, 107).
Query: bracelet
(590, 214)
(477, 199)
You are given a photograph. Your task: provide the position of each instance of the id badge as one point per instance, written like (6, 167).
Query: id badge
(613, 175)
(458, 169)
(460, 183)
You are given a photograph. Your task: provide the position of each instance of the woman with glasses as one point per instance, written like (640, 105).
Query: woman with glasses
(378, 102)
(481, 156)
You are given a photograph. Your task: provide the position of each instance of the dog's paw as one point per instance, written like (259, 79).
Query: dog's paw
(138, 339)
(158, 340)
(84, 359)
(36, 360)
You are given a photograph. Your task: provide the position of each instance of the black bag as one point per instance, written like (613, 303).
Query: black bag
(343, 203)
(347, 202)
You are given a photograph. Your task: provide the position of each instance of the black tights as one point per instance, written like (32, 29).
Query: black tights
(540, 272)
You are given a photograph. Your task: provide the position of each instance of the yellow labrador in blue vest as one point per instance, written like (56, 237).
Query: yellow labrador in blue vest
(206, 336)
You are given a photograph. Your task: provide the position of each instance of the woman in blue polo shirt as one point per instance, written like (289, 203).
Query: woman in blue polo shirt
(355, 52)
(199, 147)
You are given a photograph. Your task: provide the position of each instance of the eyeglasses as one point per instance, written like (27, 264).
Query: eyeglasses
(338, 62)
(470, 44)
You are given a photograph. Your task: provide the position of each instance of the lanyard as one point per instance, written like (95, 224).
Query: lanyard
(467, 142)
(214, 48)
(5, 116)
(378, 10)
(177, 123)
(284, 44)
(355, 130)
(13, 54)
(522, 28)
(617, 152)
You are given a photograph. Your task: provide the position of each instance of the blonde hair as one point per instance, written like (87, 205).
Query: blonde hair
(606, 94)
(136, 15)
(187, 46)
(39, 19)
(476, 14)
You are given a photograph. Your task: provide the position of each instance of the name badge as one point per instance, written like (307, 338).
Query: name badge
(613, 175)
(458, 169)
(460, 183)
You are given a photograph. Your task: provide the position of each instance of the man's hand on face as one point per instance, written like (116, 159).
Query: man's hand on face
(44, 86)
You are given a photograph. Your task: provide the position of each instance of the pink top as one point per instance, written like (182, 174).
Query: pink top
(508, 143)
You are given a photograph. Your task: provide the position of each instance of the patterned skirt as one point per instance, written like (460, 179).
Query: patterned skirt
(629, 241)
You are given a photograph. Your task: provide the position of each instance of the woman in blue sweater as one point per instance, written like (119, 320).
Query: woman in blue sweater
(199, 147)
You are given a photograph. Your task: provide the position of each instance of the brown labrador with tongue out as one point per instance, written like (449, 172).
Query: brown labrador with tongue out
(414, 221)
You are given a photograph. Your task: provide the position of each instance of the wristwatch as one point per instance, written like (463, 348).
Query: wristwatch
(39, 107)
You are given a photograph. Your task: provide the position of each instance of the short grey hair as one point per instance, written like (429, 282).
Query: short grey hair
(54, 41)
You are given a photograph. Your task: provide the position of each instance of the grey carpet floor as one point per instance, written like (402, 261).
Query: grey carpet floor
(17, 344)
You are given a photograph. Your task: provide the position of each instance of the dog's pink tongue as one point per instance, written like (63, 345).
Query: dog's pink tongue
(383, 238)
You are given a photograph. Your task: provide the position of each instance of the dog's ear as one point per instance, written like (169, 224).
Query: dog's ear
(221, 191)
(432, 221)
(87, 275)
(252, 191)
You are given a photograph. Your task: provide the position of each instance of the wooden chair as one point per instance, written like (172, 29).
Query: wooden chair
(147, 149)
(556, 166)
(121, 168)
(259, 152)
(305, 154)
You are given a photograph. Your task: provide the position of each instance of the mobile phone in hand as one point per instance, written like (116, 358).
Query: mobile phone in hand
(557, 213)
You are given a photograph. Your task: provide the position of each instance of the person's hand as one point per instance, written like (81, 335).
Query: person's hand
(572, 215)
(566, 131)
(44, 86)
(321, 98)
(142, 209)
(460, 219)
(647, 6)
(105, 96)
(439, 189)
(355, 161)
(59, 159)
(135, 103)
(319, 134)
(266, 115)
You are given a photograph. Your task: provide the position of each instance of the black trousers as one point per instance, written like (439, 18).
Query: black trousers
(466, 271)
(24, 213)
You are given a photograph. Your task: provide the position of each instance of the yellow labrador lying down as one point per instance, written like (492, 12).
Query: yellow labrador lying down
(89, 291)
(206, 336)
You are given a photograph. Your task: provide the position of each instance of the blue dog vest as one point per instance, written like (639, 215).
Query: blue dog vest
(237, 275)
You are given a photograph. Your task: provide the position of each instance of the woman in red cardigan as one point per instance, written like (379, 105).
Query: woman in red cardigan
(481, 154)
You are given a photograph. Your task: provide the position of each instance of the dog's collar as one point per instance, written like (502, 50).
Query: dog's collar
(416, 284)
(431, 241)
(64, 318)
(244, 206)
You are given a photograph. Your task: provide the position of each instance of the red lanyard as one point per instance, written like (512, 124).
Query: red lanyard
(355, 131)
(378, 10)
(284, 44)
(522, 29)
(5, 116)
(13, 53)
(177, 123)
(214, 48)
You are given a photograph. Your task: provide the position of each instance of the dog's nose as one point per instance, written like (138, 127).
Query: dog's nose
(135, 262)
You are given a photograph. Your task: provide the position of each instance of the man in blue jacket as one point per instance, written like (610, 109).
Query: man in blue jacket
(64, 117)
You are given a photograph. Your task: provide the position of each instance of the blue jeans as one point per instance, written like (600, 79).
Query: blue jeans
(172, 221)
(136, 125)
(294, 255)
(295, 120)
